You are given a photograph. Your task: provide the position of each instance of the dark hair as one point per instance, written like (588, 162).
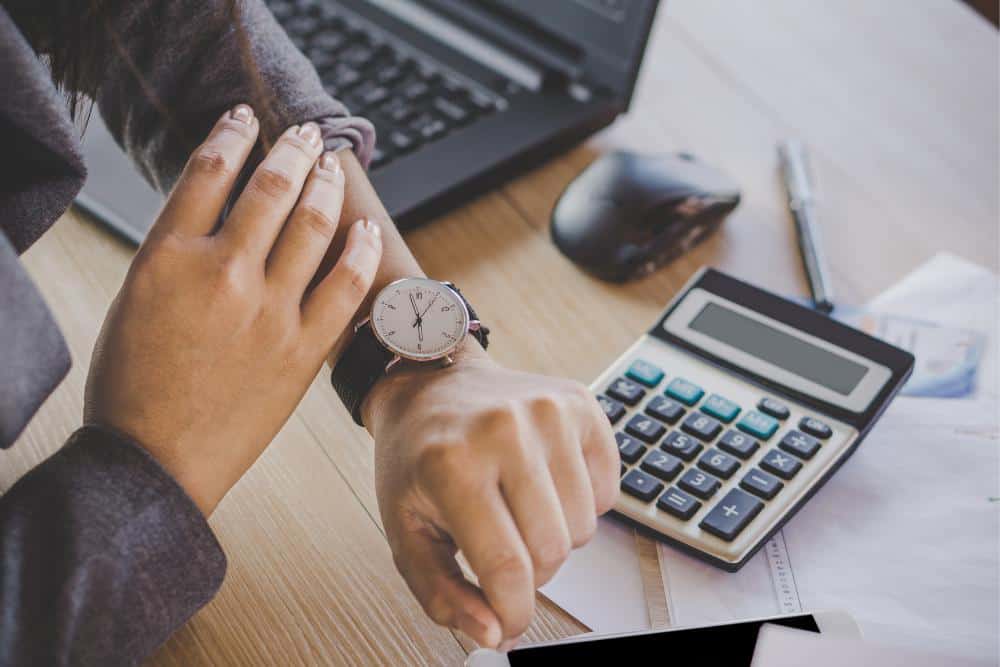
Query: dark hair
(72, 36)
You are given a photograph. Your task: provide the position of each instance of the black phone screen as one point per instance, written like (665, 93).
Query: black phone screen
(730, 645)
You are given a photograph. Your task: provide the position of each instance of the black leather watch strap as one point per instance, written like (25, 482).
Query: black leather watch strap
(364, 360)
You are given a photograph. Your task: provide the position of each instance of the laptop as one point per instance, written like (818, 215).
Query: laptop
(463, 93)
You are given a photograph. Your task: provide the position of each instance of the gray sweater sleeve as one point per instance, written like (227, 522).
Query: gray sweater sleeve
(177, 65)
(102, 556)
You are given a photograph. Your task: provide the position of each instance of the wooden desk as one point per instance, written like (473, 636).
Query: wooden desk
(898, 102)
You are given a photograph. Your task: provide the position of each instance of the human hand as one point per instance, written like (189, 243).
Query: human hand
(217, 333)
(511, 468)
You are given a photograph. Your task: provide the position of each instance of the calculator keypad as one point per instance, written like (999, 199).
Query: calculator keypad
(681, 459)
(626, 391)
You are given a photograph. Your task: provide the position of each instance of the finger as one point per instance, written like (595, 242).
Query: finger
(601, 457)
(331, 305)
(200, 193)
(538, 512)
(573, 484)
(306, 237)
(428, 565)
(486, 533)
(264, 205)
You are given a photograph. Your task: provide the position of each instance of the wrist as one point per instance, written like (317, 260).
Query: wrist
(406, 379)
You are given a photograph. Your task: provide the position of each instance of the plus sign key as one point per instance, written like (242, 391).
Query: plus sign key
(731, 515)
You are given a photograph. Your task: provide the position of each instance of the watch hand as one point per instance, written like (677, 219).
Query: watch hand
(414, 304)
(420, 331)
(429, 305)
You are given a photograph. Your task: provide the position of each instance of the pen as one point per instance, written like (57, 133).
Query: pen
(801, 202)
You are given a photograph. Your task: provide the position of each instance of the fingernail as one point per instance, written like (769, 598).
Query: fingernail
(508, 645)
(373, 228)
(310, 132)
(330, 162)
(242, 113)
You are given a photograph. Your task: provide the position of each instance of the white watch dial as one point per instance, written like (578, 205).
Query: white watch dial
(419, 318)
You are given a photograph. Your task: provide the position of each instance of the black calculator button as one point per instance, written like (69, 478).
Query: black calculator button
(626, 391)
(622, 473)
(681, 445)
(645, 428)
(612, 408)
(800, 444)
(781, 464)
(738, 444)
(630, 449)
(761, 484)
(701, 426)
(719, 464)
(815, 427)
(664, 409)
(731, 515)
(676, 502)
(662, 465)
(769, 406)
(642, 486)
(700, 484)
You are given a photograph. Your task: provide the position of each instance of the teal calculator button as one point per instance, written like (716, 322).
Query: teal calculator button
(644, 372)
(686, 392)
(721, 408)
(758, 425)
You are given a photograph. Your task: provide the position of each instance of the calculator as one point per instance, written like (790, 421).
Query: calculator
(734, 409)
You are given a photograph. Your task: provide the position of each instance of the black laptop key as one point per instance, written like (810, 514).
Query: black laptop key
(719, 464)
(612, 408)
(761, 484)
(415, 90)
(300, 25)
(662, 465)
(665, 409)
(366, 96)
(676, 502)
(326, 41)
(700, 484)
(630, 449)
(738, 444)
(482, 103)
(781, 464)
(642, 486)
(626, 391)
(428, 126)
(802, 445)
(681, 445)
(769, 406)
(357, 55)
(815, 427)
(379, 157)
(731, 515)
(398, 110)
(389, 75)
(701, 426)
(342, 77)
(645, 428)
(401, 141)
(452, 111)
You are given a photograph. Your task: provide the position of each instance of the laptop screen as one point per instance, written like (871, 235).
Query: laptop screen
(602, 40)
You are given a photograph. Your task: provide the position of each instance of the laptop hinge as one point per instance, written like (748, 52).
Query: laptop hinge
(466, 42)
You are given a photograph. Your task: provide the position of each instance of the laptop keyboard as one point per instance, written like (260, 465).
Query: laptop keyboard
(411, 99)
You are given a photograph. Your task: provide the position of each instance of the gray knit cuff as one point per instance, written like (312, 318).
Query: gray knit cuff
(353, 132)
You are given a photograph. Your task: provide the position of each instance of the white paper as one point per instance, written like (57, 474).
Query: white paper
(600, 583)
(779, 646)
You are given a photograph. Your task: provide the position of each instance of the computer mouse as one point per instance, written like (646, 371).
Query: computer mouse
(628, 214)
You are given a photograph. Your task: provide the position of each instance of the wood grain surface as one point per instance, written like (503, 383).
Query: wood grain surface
(897, 101)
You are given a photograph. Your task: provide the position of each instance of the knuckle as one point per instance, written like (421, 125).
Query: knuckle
(546, 406)
(231, 280)
(299, 145)
(552, 553)
(272, 182)
(318, 220)
(208, 160)
(509, 566)
(437, 462)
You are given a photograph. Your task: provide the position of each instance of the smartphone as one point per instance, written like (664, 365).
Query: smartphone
(730, 644)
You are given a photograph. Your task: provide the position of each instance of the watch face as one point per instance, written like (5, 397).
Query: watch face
(419, 318)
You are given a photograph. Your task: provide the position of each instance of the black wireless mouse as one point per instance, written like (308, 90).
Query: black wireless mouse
(626, 214)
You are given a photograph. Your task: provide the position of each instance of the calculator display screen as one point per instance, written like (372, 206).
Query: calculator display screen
(731, 645)
(784, 350)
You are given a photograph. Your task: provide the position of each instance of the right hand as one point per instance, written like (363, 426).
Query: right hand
(217, 333)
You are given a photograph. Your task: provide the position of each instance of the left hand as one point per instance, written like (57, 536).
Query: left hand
(512, 468)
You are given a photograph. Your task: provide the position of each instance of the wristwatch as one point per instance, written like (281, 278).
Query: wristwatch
(413, 319)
